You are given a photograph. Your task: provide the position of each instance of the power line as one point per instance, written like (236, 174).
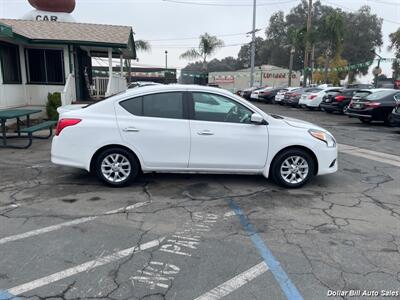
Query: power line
(228, 5)
(353, 10)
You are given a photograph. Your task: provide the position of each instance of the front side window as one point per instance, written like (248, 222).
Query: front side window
(163, 105)
(10, 64)
(216, 108)
(45, 66)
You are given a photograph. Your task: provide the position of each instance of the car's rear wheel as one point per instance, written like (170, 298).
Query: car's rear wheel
(117, 167)
(293, 168)
(344, 109)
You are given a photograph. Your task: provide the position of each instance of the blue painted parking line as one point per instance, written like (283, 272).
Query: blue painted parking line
(280, 275)
(7, 296)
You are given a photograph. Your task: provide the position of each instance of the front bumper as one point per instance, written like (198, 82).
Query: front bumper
(327, 160)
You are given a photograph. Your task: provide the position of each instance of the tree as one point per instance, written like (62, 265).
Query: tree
(363, 33)
(330, 34)
(142, 45)
(395, 46)
(334, 77)
(261, 54)
(208, 46)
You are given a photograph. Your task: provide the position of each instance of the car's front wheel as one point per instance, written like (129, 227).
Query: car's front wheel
(293, 168)
(117, 167)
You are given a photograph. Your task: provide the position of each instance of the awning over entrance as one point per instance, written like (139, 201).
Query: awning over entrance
(97, 37)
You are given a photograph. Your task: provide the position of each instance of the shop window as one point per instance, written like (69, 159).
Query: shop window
(45, 66)
(10, 64)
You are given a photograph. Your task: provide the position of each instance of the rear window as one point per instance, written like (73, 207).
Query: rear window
(332, 93)
(378, 95)
(349, 92)
(312, 90)
(361, 94)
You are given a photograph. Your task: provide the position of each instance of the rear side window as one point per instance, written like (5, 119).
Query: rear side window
(333, 93)
(348, 93)
(163, 105)
(133, 106)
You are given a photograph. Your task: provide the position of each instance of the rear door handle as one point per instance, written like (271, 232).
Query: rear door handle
(130, 129)
(205, 132)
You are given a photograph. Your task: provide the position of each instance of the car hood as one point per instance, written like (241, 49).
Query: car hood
(298, 123)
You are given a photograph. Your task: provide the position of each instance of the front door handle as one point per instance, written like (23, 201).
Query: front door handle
(130, 129)
(205, 132)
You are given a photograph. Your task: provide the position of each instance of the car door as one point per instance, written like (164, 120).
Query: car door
(222, 136)
(157, 127)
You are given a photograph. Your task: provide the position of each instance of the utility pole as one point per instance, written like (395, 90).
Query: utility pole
(166, 66)
(292, 51)
(253, 44)
(307, 48)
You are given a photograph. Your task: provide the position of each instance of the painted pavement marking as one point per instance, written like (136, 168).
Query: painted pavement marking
(235, 283)
(68, 223)
(386, 158)
(85, 267)
(288, 288)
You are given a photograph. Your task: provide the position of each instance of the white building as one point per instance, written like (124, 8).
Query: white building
(41, 57)
(265, 75)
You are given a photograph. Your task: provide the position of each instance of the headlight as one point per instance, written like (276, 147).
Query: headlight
(323, 136)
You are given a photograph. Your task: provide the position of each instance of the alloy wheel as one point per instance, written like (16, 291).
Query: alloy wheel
(294, 169)
(116, 168)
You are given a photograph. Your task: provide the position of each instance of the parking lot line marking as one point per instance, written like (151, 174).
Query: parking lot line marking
(68, 223)
(273, 264)
(372, 155)
(235, 283)
(85, 267)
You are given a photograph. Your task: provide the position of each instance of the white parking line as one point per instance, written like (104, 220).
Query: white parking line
(85, 267)
(66, 224)
(235, 283)
(386, 158)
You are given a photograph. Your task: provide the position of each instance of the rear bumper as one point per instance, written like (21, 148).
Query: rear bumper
(70, 155)
(359, 114)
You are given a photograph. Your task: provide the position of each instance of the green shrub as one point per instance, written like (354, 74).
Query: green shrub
(53, 102)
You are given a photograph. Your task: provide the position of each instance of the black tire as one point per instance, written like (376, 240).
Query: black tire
(328, 111)
(132, 174)
(365, 120)
(344, 109)
(278, 161)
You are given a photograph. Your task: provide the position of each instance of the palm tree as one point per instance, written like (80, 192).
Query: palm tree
(208, 45)
(331, 33)
(142, 45)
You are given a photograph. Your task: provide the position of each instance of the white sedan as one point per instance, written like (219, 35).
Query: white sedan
(313, 100)
(182, 128)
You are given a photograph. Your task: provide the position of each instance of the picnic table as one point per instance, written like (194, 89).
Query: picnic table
(9, 114)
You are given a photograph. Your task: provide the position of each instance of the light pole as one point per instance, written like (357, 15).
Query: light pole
(253, 44)
(292, 50)
(376, 73)
(166, 65)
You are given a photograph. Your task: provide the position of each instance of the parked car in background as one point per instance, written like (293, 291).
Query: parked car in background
(268, 95)
(138, 84)
(281, 94)
(189, 128)
(292, 98)
(375, 107)
(312, 100)
(255, 94)
(339, 100)
(360, 86)
(394, 118)
(246, 93)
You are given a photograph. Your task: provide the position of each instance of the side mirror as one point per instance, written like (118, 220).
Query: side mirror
(258, 119)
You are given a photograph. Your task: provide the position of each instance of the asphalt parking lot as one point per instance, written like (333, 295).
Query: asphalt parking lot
(63, 235)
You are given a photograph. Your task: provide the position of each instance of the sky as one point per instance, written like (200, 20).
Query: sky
(174, 25)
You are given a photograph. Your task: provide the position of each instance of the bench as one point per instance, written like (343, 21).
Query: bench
(38, 127)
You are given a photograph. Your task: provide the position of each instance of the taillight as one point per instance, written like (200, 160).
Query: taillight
(312, 97)
(340, 98)
(372, 104)
(63, 123)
